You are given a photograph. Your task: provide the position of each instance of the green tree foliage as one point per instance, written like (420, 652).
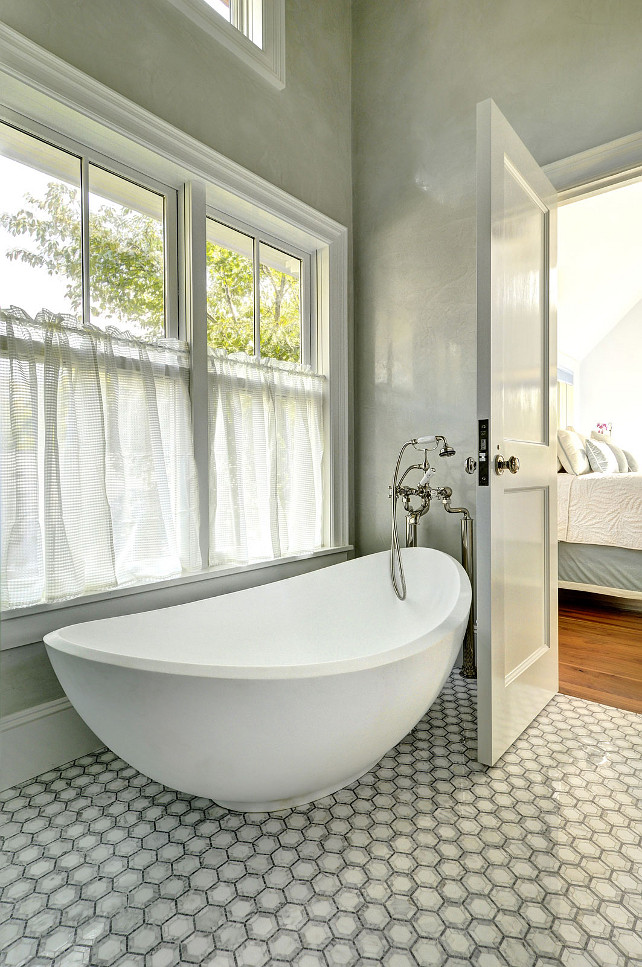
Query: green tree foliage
(127, 273)
(125, 255)
(230, 306)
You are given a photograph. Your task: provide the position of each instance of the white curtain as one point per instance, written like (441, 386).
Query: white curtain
(265, 458)
(98, 477)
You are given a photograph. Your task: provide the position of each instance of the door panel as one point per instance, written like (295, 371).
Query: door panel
(517, 375)
(523, 253)
(526, 578)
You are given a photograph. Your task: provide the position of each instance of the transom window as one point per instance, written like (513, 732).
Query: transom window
(245, 15)
(254, 30)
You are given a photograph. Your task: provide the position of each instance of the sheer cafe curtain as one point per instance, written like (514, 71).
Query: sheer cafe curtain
(98, 477)
(265, 458)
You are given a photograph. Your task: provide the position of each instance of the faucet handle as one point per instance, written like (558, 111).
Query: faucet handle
(426, 477)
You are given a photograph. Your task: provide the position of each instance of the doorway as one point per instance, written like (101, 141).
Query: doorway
(600, 445)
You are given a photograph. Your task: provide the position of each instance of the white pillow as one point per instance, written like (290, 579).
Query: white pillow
(571, 452)
(632, 462)
(620, 456)
(601, 457)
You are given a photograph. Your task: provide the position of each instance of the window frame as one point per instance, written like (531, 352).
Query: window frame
(268, 59)
(58, 100)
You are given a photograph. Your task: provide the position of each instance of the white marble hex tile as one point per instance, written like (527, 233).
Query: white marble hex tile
(429, 860)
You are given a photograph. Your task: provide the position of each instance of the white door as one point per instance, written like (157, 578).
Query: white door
(517, 373)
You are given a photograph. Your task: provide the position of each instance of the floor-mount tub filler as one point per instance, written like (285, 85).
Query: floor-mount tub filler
(277, 695)
(398, 490)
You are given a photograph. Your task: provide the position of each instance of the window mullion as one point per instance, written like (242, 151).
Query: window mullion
(170, 234)
(194, 325)
(257, 297)
(84, 240)
(308, 316)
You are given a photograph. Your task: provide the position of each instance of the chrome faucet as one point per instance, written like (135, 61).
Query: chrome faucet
(399, 490)
(425, 493)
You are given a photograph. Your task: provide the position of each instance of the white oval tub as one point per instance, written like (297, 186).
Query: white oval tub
(274, 696)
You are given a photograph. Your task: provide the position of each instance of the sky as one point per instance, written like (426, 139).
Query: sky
(20, 285)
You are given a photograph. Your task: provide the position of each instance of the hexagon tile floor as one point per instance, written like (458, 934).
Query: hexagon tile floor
(431, 859)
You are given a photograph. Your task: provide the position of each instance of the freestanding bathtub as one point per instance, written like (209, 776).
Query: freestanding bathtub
(274, 696)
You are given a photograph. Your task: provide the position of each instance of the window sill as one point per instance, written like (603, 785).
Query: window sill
(22, 626)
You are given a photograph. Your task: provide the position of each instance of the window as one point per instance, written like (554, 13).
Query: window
(254, 296)
(266, 404)
(245, 15)
(98, 477)
(126, 255)
(254, 30)
(40, 225)
(42, 201)
(100, 485)
(145, 152)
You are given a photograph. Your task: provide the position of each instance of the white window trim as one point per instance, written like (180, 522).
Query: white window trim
(269, 60)
(40, 86)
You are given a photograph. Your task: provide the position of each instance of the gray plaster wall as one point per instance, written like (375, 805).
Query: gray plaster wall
(298, 139)
(567, 76)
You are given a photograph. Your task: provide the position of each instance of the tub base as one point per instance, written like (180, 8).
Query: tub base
(276, 805)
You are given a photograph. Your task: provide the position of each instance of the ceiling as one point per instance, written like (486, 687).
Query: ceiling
(599, 266)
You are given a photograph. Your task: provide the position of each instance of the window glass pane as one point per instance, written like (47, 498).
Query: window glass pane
(230, 289)
(280, 304)
(40, 226)
(222, 7)
(126, 255)
(245, 15)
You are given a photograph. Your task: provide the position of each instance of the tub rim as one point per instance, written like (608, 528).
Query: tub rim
(55, 641)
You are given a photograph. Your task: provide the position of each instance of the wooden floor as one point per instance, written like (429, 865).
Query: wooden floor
(600, 650)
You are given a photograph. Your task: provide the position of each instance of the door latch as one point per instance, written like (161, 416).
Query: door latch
(482, 478)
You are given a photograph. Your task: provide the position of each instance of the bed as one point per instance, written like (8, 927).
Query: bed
(600, 533)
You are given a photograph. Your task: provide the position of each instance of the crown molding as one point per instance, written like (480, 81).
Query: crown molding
(48, 75)
(599, 168)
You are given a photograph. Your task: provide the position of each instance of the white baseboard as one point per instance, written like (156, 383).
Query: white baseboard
(41, 738)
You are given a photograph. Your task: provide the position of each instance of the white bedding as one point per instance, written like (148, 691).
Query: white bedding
(600, 508)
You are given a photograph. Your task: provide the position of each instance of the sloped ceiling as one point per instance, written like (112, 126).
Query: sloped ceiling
(599, 266)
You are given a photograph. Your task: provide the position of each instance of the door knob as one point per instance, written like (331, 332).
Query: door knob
(511, 464)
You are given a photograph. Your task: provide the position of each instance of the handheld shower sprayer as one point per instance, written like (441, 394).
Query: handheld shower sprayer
(426, 443)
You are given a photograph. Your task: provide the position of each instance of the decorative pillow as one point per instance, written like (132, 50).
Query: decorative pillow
(601, 457)
(572, 453)
(632, 462)
(620, 456)
(622, 462)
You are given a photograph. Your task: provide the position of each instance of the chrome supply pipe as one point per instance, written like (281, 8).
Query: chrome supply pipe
(468, 667)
